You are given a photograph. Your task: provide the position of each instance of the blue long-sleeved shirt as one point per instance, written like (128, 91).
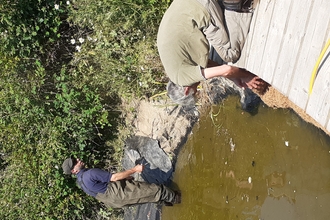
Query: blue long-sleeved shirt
(93, 181)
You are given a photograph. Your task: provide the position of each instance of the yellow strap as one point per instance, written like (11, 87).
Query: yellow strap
(311, 82)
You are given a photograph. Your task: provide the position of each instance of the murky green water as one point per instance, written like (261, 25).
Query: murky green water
(270, 166)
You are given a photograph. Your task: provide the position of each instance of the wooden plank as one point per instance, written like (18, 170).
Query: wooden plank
(291, 46)
(258, 33)
(312, 44)
(318, 106)
(247, 46)
(274, 41)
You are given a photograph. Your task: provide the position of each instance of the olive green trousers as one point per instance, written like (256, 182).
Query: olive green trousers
(128, 192)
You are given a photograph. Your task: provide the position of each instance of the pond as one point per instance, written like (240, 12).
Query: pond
(270, 165)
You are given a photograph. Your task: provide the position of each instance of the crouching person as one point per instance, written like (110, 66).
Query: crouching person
(118, 189)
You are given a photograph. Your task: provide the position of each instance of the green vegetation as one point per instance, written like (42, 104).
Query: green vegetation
(66, 67)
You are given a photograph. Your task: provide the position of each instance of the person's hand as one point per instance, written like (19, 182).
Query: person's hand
(192, 87)
(126, 174)
(256, 83)
(246, 79)
(240, 76)
(138, 168)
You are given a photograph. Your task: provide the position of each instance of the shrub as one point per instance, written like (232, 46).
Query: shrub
(31, 25)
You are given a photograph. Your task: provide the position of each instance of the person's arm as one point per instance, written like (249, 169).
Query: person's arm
(127, 173)
(241, 77)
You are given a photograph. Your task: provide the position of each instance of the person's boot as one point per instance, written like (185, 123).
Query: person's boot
(176, 199)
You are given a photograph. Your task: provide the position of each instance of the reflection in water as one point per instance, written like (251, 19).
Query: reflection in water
(268, 166)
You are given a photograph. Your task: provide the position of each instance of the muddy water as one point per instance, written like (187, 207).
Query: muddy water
(270, 166)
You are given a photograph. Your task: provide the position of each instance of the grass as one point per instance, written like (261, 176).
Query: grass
(68, 68)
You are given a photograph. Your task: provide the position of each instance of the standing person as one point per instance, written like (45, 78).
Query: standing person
(118, 189)
(186, 33)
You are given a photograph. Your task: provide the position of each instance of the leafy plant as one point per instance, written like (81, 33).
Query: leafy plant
(30, 25)
(41, 124)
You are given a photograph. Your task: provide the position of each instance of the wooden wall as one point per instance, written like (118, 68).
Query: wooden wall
(285, 41)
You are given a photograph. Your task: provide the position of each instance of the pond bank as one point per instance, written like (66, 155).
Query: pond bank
(171, 124)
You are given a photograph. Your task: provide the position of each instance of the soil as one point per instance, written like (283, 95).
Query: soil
(169, 124)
